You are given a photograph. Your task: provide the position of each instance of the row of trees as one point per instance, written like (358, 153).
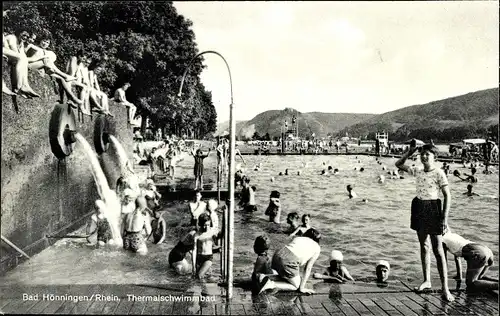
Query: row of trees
(146, 43)
(450, 134)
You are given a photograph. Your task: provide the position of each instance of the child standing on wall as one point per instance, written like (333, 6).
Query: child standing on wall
(198, 167)
(429, 217)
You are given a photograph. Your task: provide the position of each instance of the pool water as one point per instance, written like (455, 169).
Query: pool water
(364, 232)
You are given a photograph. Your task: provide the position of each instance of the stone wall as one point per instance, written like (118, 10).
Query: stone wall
(40, 194)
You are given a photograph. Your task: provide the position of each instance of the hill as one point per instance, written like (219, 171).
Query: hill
(321, 124)
(452, 119)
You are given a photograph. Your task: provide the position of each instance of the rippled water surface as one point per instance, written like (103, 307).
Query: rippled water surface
(364, 232)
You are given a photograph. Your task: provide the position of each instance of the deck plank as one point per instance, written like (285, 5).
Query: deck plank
(208, 309)
(96, 308)
(332, 309)
(66, 308)
(152, 308)
(124, 307)
(346, 308)
(358, 306)
(39, 307)
(15, 306)
(385, 306)
(53, 307)
(109, 307)
(237, 309)
(81, 307)
(372, 307)
(288, 308)
(399, 306)
(305, 308)
(137, 308)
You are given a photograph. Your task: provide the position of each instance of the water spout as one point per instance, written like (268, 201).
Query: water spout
(122, 155)
(106, 194)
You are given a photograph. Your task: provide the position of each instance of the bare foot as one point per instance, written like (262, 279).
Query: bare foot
(425, 286)
(447, 296)
(30, 93)
(8, 92)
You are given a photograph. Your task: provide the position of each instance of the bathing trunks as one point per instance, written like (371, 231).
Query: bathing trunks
(133, 241)
(103, 230)
(427, 216)
(286, 263)
(201, 259)
(477, 256)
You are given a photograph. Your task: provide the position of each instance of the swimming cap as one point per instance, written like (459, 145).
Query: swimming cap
(384, 263)
(336, 255)
(212, 204)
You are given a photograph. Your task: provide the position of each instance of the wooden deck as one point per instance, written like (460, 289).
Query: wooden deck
(331, 300)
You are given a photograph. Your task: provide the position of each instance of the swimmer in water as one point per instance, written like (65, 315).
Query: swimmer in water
(351, 192)
(335, 171)
(274, 208)
(469, 191)
(136, 224)
(336, 272)
(203, 247)
(324, 172)
(472, 177)
(306, 224)
(292, 219)
(99, 224)
(382, 270)
(299, 172)
(286, 172)
(381, 179)
(362, 169)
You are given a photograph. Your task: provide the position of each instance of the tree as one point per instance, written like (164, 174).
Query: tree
(256, 136)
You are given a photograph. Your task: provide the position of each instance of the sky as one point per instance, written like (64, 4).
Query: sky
(343, 57)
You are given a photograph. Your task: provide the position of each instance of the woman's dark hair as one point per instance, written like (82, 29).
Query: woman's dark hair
(313, 234)
(431, 148)
(292, 216)
(304, 217)
(261, 244)
(203, 218)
